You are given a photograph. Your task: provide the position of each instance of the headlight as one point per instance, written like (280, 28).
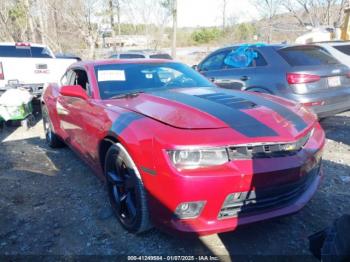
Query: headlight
(194, 158)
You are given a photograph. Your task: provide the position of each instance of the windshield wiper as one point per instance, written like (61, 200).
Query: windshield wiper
(127, 95)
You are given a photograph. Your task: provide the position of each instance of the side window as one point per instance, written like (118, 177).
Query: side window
(260, 60)
(71, 77)
(214, 62)
(65, 78)
(244, 58)
(130, 56)
(79, 77)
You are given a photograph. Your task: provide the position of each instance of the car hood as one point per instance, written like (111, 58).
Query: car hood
(250, 114)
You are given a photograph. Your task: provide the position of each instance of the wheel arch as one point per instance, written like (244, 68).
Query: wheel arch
(103, 147)
(259, 89)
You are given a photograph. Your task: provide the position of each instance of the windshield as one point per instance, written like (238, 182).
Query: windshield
(118, 79)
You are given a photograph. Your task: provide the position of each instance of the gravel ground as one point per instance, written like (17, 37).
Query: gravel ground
(52, 204)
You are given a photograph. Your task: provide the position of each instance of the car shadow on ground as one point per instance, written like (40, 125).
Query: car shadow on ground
(337, 128)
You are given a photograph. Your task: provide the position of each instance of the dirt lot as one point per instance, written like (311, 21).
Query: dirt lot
(52, 204)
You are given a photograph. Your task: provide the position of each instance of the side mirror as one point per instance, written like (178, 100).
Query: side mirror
(195, 67)
(74, 91)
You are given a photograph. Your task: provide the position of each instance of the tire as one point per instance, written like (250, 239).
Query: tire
(52, 139)
(28, 122)
(126, 192)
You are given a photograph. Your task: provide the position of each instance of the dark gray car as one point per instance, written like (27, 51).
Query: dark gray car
(307, 74)
(141, 54)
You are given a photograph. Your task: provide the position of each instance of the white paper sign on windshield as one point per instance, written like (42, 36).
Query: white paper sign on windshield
(111, 75)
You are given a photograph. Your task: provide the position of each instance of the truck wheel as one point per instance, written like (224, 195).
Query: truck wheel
(28, 122)
(51, 138)
(127, 195)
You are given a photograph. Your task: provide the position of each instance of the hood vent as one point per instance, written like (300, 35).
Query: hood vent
(230, 101)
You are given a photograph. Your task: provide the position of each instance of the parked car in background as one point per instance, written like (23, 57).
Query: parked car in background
(29, 66)
(67, 56)
(339, 49)
(141, 54)
(180, 152)
(307, 74)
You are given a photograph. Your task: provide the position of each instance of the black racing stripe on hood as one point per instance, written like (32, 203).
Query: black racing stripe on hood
(236, 119)
(286, 113)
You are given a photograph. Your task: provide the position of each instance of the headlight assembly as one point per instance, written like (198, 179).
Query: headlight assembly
(194, 158)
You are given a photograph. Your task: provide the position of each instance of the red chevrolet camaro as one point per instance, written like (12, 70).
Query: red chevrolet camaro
(180, 153)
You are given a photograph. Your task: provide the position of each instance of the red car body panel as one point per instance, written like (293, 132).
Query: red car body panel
(149, 124)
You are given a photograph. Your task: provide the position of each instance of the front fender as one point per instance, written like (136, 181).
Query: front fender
(134, 132)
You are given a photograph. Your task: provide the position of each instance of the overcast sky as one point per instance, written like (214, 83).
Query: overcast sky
(192, 13)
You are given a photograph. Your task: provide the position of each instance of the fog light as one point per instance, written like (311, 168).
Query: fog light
(189, 209)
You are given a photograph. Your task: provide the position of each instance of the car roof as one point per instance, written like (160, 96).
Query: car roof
(274, 46)
(140, 52)
(122, 61)
(332, 43)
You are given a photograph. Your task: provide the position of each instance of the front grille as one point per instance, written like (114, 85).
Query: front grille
(267, 150)
(246, 203)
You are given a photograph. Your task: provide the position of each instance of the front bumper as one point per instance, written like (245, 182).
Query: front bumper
(169, 188)
(205, 227)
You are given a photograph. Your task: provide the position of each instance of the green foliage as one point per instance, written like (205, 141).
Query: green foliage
(206, 35)
(245, 31)
(18, 14)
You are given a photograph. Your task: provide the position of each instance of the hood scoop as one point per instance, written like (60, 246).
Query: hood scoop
(230, 101)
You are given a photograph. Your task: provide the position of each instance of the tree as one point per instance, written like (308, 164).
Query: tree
(171, 6)
(316, 12)
(114, 5)
(245, 32)
(268, 9)
(224, 7)
(206, 35)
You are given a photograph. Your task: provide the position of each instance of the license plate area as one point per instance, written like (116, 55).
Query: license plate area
(334, 81)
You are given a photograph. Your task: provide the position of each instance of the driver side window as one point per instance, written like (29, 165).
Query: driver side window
(215, 62)
(79, 77)
(65, 78)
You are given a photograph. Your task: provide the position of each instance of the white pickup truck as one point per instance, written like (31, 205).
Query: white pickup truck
(29, 66)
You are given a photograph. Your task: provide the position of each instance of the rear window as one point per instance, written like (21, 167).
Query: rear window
(161, 56)
(131, 56)
(23, 51)
(307, 56)
(40, 52)
(13, 51)
(345, 49)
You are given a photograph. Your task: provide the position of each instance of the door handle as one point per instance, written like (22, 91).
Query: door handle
(212, 79)
(244, 78)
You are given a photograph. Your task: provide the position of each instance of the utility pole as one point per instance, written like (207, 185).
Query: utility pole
(174, 13)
